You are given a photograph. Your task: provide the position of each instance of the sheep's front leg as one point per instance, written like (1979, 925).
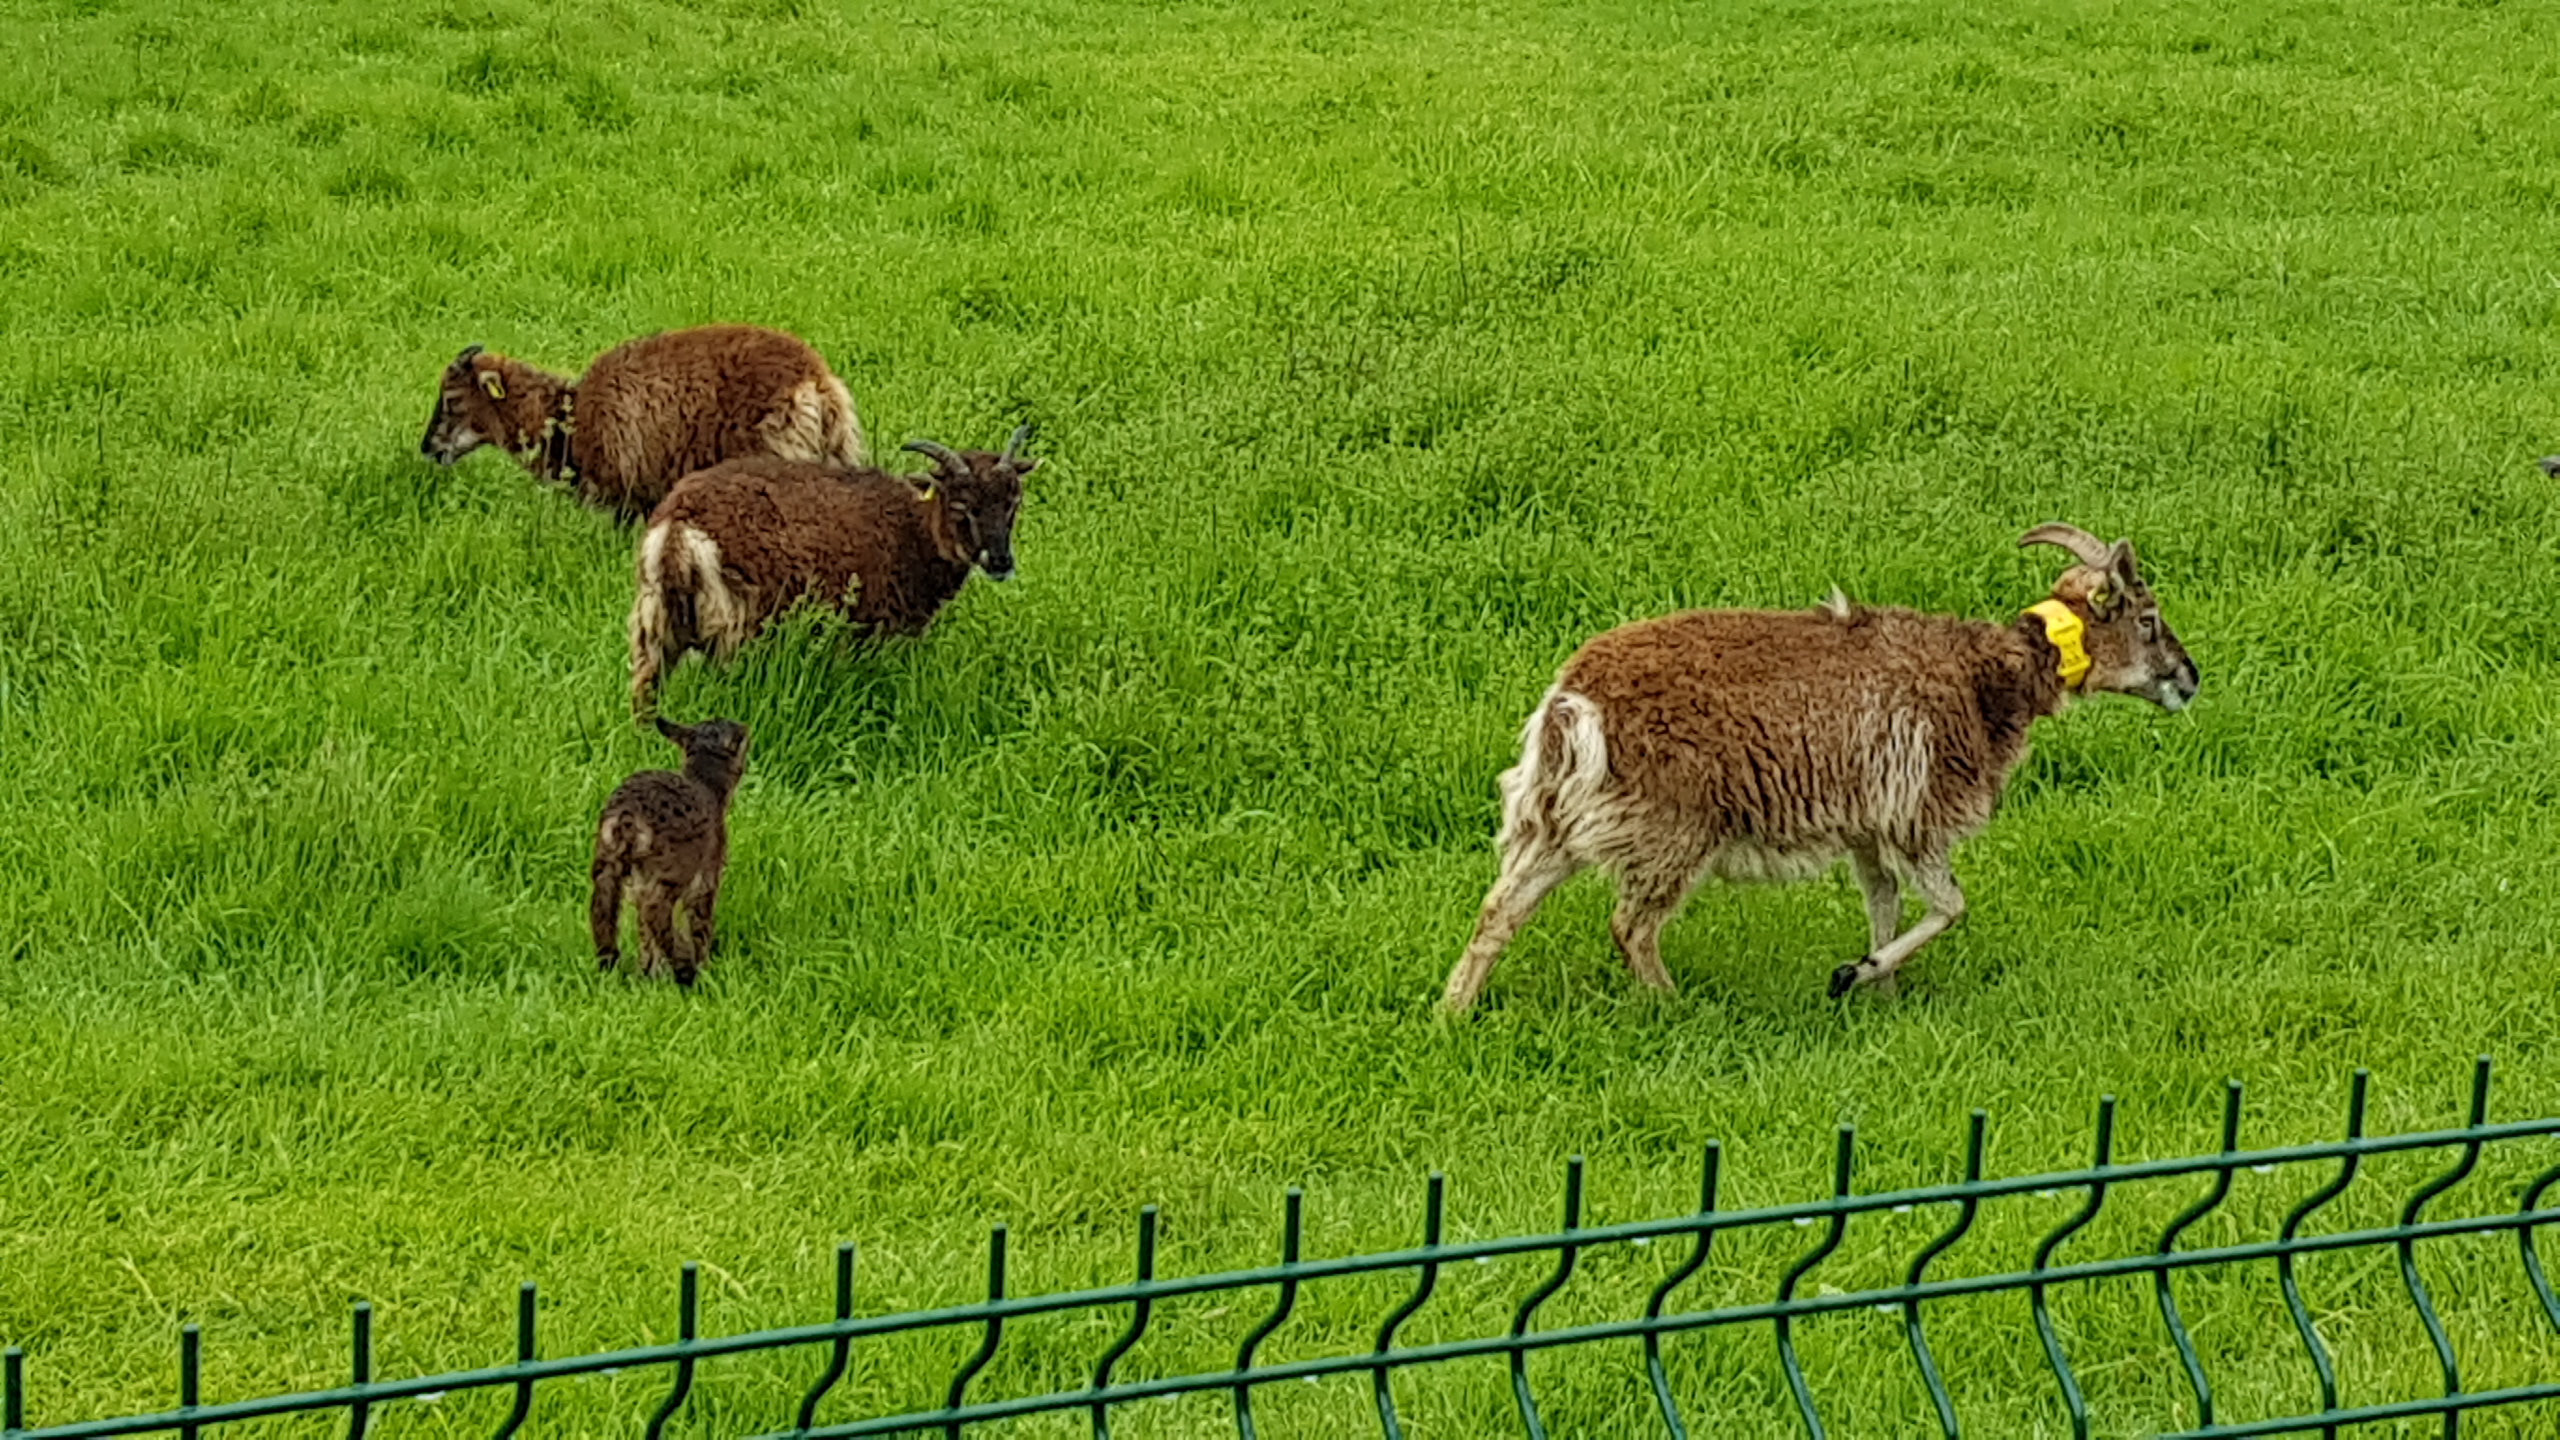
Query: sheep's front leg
(1945, 900)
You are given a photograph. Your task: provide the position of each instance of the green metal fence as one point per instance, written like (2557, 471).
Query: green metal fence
(828, 1346)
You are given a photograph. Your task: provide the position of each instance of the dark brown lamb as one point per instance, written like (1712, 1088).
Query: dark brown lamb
(662, 842)
(1765, 745)
(734, 547)
(648, 413)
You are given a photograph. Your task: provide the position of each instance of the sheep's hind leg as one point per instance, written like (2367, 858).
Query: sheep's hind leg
(1936, 880)
(1883, 892)
(1529, 871)
(1649, 894)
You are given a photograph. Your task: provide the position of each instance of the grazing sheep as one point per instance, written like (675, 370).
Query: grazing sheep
(649, 413)
(665, 836)
(733, 547)
(1756, 744)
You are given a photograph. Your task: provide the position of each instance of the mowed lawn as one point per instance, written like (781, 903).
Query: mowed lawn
(1381, 353)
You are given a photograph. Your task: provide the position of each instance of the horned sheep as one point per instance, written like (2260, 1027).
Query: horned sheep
(1766, 745)
(663, 841)
(733, 547)
(650, 412)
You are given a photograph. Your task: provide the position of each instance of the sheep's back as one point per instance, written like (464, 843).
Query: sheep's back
(787, 530)
(668, 822)
(1793, 727)
(663, 406)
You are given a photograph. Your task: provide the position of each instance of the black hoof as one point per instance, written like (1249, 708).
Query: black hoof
(684, 976)
(1844, 978)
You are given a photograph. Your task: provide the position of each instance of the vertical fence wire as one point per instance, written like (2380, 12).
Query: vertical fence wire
(2321, 1364)
(2072, 1400)
(1713, 1170)
(2409, 1277)
(2205, 1204)
(524, 1356)
(1531, 1423)
(994, 1334)
(1434, 1210)
(1797, 1386)
(1968, 1205)
(1292, 1240)
(840, 1355)
(1139, 1313)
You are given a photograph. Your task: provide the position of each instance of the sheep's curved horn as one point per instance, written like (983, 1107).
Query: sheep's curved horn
(939, 454)
(467, 352)
(1013, 447)
(2088, 549)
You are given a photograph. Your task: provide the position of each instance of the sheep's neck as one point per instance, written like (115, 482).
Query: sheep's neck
(2063, 630)
(715, 778)
(546, 431)
(2036, 682)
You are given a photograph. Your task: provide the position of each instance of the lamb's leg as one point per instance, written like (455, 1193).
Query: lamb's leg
(604, 911)
(1529, 870)
(1945, 900)
(1649, 894)
(1883, 892)
(657, 926)
(699, 906)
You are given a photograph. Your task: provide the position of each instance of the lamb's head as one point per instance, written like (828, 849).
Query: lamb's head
(468, 413)
(979, 494)
(2131, 649)
(715, 751)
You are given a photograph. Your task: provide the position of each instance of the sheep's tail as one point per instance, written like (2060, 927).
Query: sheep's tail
(1550, 800)
(662, 612)
(1564, 763)
(841, 430)
(604, 901)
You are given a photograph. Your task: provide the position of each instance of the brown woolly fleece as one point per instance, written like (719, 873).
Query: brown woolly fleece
(650, 412)
(1781, 749)
(663, 840)
(734, 547)
(1766, 744)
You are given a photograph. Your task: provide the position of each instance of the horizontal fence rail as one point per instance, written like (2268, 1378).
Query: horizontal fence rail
(830, 1344)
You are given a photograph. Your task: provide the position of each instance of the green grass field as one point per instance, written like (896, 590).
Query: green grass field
(1382, 353)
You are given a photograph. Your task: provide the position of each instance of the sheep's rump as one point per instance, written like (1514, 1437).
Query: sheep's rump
(1760, 744)
(661, 407)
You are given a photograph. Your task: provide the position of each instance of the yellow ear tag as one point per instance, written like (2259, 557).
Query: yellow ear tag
(496, 387)
(927, 492)
(2065, 629)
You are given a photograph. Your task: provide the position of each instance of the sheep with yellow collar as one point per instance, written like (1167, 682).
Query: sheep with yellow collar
(1758, 744)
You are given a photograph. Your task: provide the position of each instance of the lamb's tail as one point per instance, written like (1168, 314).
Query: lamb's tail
(843, 426)
(604, 901)
(1564, 764)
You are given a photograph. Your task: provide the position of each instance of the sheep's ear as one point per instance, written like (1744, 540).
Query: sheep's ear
(2120, 564)
(668, 728)
(1022, 468)
(494, 384)
(925, 490)
(467, 352)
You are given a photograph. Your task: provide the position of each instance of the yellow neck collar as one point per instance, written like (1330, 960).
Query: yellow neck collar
(2064, 628)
